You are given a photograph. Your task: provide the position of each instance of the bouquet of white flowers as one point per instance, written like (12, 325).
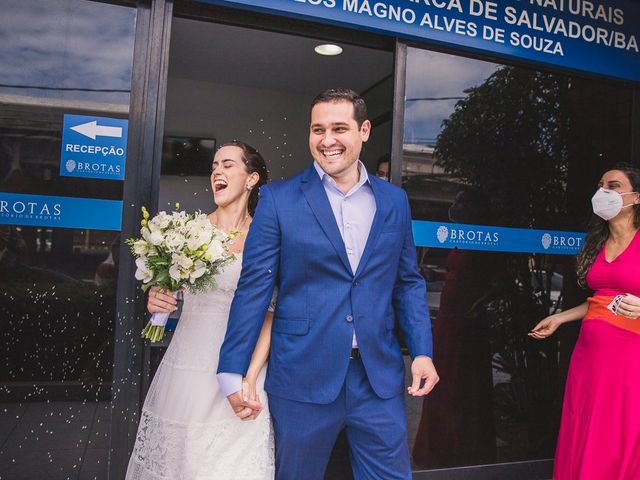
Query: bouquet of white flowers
(178, 250)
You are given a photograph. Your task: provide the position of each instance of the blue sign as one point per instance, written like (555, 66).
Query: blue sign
(93, 147)
(68, 212)
(496, 239)
(592, 36)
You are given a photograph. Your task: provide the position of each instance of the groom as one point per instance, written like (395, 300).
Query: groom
(338, 245)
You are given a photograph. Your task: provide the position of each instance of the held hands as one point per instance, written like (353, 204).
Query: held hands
(161, 301)
(629, 307)
(544, 328)
(246, 403)
(422, 369)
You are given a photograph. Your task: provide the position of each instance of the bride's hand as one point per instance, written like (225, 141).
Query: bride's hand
(244, 409)
(161, 301)
(249, 392)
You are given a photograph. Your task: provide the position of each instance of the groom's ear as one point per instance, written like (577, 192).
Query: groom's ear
(365, 130)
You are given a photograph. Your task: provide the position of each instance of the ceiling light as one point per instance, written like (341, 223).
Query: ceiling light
(328, 49)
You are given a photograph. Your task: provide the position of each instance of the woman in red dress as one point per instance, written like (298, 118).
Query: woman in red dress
(599, 435)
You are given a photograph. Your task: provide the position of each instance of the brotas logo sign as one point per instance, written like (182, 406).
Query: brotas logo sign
(494, 238)
(30, 209)
(562, 242)
(471, 235)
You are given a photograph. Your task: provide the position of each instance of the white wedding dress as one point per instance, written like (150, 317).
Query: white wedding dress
(187, 429)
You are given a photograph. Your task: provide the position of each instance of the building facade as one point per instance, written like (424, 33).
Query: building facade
(497, 118)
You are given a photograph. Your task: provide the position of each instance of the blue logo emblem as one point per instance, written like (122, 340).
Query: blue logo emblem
(442, 233)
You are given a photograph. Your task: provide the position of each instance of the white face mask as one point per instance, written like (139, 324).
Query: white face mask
(608, 203)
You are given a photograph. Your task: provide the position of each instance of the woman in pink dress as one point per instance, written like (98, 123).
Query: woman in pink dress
(599, 435)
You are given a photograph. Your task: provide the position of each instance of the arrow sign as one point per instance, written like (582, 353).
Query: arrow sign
(93, 147)
(93, 130)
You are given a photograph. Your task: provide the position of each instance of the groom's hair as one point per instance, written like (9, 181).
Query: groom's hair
(335, 95)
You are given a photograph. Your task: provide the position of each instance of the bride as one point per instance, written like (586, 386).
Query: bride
(187, 430)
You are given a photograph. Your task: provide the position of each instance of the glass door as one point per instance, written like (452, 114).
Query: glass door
(229, 82)
(64, 103)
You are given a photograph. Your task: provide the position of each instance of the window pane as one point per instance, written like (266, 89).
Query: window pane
(57, 285)
(489, 146)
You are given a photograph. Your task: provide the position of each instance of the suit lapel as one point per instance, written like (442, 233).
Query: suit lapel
(316, 197)
(376, 226)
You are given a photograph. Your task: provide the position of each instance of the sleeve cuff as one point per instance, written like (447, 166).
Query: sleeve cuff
(229, 383)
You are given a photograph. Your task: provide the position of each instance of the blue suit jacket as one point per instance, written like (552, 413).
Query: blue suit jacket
(294, 244)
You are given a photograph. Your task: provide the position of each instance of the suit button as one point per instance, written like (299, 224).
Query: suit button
(349, 318)
(355, 284)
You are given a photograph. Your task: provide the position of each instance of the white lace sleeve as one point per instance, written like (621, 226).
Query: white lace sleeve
(272, 305)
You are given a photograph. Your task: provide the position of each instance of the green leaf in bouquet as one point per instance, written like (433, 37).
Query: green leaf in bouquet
(157, 265)
(161, 276)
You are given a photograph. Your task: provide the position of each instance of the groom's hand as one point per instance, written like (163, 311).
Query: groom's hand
(422, 369)
(249, 392)
(245, 409)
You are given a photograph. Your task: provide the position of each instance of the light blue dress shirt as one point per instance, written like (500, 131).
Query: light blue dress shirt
(353, 212)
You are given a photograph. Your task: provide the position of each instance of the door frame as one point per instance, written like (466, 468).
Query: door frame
(144, 150)
(146, 131)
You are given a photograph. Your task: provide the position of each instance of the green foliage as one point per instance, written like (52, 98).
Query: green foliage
(507, 138)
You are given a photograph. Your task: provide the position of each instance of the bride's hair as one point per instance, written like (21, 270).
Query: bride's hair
(253, 162)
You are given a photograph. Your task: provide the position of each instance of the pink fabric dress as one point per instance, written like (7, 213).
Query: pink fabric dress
(600, 430)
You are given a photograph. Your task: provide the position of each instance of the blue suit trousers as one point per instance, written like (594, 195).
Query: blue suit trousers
(375, 428)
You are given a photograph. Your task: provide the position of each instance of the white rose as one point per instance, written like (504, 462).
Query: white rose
(179, 218)
(153, 226)
(198, 238)
(140, 247)
(199, 223)
(202, 221)
(193, 242)
(143, 272)
(160, 221)
(156, 238)
(215, 251)
(199, 268)
(174, 241)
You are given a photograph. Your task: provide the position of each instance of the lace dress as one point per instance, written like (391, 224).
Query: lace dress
(187, 428)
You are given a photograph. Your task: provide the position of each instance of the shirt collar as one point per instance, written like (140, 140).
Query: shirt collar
(364, 176)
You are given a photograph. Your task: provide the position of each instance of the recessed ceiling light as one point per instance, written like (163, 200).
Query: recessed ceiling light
(328, 49)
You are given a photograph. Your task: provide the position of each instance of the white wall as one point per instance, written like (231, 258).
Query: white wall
(276, 123)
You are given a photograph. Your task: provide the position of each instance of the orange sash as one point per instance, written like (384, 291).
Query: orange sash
(598, 311)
